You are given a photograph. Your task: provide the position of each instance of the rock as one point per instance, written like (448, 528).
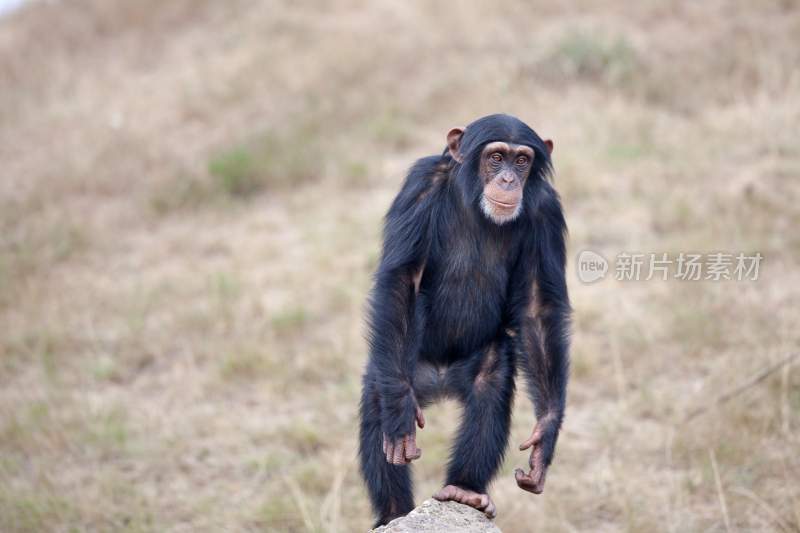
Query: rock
(440, 517)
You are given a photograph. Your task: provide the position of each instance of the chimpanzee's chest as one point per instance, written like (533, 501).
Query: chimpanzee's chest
(464, 290)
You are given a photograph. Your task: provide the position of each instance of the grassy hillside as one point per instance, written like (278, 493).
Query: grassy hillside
(190, 202)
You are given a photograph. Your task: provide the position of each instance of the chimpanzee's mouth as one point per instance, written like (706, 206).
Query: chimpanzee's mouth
(501, 204)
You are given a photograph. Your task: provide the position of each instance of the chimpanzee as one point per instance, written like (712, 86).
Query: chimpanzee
(471, 285)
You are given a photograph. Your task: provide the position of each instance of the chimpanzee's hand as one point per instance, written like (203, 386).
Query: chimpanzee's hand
(543, 444)
(403, 450)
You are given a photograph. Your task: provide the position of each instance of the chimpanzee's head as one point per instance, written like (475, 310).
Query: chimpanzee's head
(497, 157)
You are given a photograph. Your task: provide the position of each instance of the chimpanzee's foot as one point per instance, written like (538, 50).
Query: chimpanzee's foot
(481, 502)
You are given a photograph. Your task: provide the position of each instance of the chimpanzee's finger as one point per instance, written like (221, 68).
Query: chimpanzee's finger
(536, 461)
(533, 481)
(538, 481)
(535, 438)
(420, 418)
(412, 452)
(538, 468)
(526, 482)
(389, 450)
(399, 452)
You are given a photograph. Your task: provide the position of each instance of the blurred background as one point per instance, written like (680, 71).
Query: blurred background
(191, 195)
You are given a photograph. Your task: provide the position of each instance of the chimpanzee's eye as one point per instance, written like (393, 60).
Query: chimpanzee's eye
(522, 160)
(496, 157)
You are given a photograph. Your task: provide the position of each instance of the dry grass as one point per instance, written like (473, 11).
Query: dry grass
(190, 204)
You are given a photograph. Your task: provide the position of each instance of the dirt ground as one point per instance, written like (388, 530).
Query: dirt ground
(191, 195)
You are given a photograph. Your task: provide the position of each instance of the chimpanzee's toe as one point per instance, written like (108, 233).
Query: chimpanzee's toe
(481, 502)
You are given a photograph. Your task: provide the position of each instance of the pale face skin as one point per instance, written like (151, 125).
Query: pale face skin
(504, 168)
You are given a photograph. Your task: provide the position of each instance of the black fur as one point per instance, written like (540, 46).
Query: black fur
(470, 325)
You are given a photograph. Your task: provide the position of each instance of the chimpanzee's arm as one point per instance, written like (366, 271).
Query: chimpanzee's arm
(393, 322)
(542, 319)
(547, 317)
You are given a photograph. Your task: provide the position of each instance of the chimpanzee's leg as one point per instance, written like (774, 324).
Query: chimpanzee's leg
(487, 390)
(389, 486)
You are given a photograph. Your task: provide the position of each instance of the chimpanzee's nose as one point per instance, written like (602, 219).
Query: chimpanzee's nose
(508, 177)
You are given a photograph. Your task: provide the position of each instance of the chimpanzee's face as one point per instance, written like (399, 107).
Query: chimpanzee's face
(504, 168)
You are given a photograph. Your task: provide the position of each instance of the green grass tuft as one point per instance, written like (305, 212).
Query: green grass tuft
(290, 320)
(588, 57)
(271, 160)
(236, 172)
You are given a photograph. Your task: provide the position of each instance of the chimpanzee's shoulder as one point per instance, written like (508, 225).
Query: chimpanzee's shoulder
(430, 172)
(425, 176)
(545, 209)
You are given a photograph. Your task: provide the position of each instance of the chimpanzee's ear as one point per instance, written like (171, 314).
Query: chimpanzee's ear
(548, 143)
(454, 144)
